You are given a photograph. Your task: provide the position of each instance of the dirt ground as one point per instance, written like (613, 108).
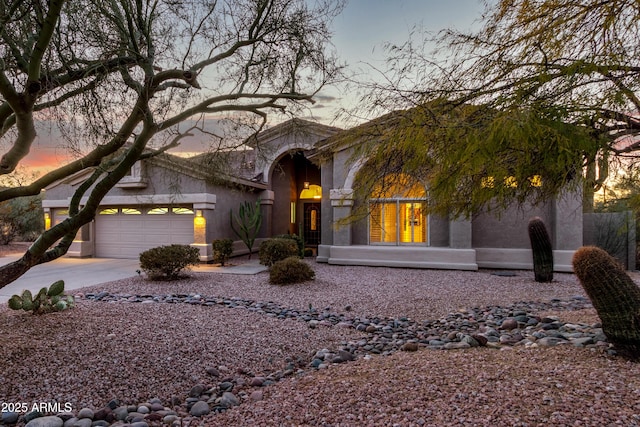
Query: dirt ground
(13, 248)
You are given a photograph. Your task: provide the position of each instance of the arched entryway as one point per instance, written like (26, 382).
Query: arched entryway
(295, 182)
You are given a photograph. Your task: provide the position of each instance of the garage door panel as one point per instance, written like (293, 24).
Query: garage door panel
(162, 224)
(126, 236)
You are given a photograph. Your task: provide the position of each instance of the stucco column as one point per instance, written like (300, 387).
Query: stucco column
(82, 245)
(341, 204)
(266, 209)
(567, 221)
(460, 234)
(566, 229)
(203, 217)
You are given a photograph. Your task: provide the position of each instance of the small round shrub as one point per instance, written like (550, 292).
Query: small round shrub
(167, 262)
(299, 241)
(222, 250)
(290, 270)
(274, 250)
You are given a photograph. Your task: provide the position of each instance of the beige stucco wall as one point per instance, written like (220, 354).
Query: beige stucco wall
(498, 241)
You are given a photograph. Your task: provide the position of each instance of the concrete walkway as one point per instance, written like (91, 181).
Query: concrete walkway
(78, 273)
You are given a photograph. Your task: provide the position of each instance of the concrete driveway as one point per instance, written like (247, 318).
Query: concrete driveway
(76, 273)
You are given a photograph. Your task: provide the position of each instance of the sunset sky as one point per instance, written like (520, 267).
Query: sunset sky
(360, 33)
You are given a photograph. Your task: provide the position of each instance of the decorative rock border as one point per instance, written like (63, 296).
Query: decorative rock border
(500, 327)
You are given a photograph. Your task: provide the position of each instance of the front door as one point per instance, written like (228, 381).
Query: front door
(312, 224)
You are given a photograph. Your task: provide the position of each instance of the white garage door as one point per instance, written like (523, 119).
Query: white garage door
(125, 232)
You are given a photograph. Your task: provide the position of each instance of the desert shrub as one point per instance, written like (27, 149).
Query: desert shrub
(290, 270)
(21, 218)
(8, 232)
(167, 262)
(274, 250)
(299, 241)
(222, 250)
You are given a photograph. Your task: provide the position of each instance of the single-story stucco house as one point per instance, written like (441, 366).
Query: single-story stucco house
(167, 199)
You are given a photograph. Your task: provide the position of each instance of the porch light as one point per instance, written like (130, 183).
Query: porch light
(199, 223)
(305, 185)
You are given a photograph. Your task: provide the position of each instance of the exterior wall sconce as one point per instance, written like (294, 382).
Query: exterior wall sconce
(199, 227)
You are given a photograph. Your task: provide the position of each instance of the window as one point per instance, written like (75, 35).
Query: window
(397, 215)
(182, 211)
(131, 211)
(108, 211)
(158, 211)
(135, 177)
(510, 181)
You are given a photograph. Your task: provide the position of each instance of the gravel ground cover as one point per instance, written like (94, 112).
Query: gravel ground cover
(134, 353)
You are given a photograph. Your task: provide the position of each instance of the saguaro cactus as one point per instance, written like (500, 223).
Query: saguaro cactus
(542, 250)
(614, 295)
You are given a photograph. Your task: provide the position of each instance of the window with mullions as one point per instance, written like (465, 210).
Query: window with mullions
(397, 215)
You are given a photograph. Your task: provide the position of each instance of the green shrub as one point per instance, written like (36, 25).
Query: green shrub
(222, 250)
(299, 241)
(290, 270)
(274, 250)
(45, 301)
(166, 262)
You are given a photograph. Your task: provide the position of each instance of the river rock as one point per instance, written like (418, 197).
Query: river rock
(50, 421)
(9, 417)
(200, 409)
(228, 400)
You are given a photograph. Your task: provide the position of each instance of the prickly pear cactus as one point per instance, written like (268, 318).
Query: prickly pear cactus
(45, 301)
(15, 303)
(57, 288)
(541, 249)
(614, 295)
(27, 300)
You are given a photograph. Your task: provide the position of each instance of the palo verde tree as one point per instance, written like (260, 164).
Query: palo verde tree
(125, 77)
(541, 92)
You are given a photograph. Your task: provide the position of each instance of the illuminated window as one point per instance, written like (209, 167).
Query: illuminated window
(397, 215)
(182, 211)
(488, 182)
(108, 211)
(158, 211)
(511, 182)
(131, 211)
(313, 220)
(536, 181)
